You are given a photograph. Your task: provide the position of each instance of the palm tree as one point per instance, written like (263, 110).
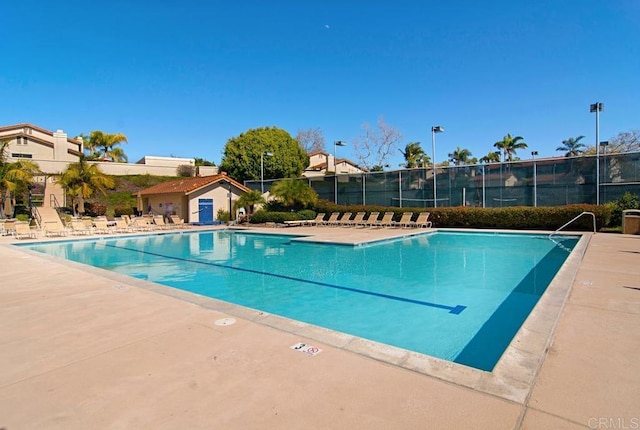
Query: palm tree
(294, 193)
(460, 156)
(572, 147)
(491, 157)
(509, 145)
(414, 155)
(116, 155)
(81, 180)
(250, 200)
(13, 176)
(103, 145)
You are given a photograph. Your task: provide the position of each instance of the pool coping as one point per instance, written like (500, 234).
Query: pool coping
(512, 378)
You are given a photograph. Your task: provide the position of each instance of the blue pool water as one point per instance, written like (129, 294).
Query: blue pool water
(457, 296)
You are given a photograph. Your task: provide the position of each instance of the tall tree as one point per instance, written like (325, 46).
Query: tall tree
(376, 145)
(242, 155)
(509, 145)
(82, 180)
(626, 141)
(311, 139)
(13, 176)
(460, 156)
(572, 147)
(105, 146)
(414, 156)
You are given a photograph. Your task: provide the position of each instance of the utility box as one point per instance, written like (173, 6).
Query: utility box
(631, 221)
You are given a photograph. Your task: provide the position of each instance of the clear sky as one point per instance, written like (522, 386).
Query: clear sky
(179, 78)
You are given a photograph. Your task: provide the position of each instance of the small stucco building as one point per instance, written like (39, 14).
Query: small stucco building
(197, 200)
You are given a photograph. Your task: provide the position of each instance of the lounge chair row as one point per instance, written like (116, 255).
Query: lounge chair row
(123, 224)
(361, 220)
(100, 225)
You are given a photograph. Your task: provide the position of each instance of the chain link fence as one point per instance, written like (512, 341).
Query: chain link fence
(541, 182)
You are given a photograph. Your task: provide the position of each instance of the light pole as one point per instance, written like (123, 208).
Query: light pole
(435, 129)
(535, 179)
(604, 145)
(230, 206)
(262, 155)
(498, 153)
(597, 108)
(335, 168)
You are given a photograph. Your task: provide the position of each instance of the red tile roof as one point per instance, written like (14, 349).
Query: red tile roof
(189, 185)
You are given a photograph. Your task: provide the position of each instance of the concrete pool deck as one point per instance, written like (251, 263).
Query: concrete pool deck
(81, 348)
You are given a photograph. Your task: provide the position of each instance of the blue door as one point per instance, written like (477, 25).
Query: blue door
(205, 209)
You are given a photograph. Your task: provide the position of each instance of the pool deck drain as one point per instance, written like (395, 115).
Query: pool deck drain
(78, 352)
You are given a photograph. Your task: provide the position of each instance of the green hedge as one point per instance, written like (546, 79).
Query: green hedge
(521, 218)
(261, 216)
(516, 218)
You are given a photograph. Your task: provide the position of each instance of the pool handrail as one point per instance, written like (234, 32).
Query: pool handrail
(575, 218)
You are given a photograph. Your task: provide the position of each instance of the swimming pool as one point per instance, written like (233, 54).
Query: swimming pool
(457, 296)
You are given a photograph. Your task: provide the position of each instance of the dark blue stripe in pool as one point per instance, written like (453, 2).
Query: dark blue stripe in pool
(456, 310)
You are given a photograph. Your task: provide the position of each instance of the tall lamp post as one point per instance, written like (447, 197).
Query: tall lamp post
(604, 145)
(597, 108)
(435, 129)
(229, 195)
(499, 154)
(335, 168)
(535, 179)
(262, 155)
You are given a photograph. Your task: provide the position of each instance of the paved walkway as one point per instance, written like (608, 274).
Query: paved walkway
(81, 348)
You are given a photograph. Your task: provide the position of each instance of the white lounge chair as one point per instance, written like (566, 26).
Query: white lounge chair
(54, 228)
(332, 219)
(177, 221)
(23, 231)
(319, 219)
(386, 221)
(405, 220)
(344, 219)
(373, 217)
(158, 220)
(422, 220)
(78, 227)
(101, 226)
(357, 220)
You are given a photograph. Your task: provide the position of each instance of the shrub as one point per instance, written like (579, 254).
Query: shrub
(306, 214)
(261, 216)
(626, 201)
(223, 215)
(185, 171)
(123, 210)
(95, 209)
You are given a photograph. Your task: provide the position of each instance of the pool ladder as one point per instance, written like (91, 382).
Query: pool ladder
(583, 213)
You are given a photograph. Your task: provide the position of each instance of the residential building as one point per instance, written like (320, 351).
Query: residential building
(322, 163)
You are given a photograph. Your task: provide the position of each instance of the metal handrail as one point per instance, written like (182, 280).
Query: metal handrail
(36, 216)
(583, 213)
(53, 201)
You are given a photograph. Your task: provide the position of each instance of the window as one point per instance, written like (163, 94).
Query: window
(21, 156)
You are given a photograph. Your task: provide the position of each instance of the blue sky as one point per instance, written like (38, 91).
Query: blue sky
(180, 78)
